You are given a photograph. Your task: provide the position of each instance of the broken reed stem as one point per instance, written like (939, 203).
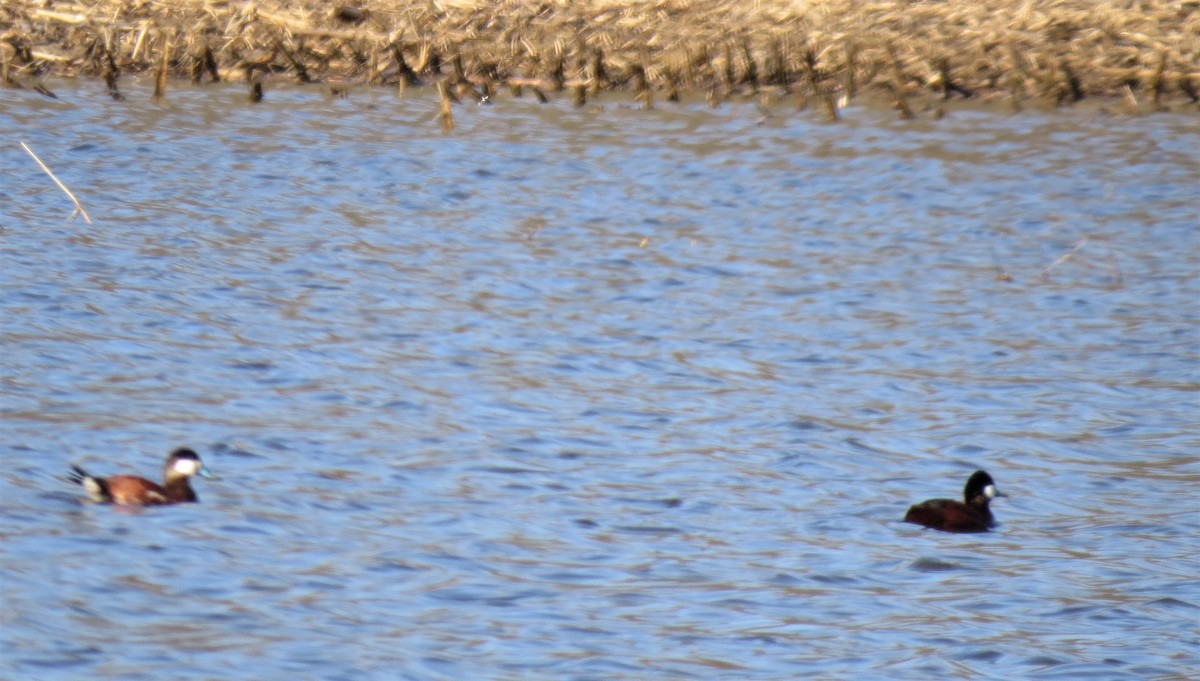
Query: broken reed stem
(111, 72)
(110, 79)
(851, 66)
(160, 75)
(730, 80)
(1157, 82)
(297, 65)
(1130, 98)
(814, 83)
(557, 74)
(1063, 258)
(78, 206)
(1117, 274)
(210, 64)
(1071, 81)
(641, 86)
(897, 87)
(447, 113)
(599, 74)
(779, 71)
(405, 74)
(751, 65)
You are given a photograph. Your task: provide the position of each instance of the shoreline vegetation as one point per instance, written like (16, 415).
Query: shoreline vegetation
(821, 52)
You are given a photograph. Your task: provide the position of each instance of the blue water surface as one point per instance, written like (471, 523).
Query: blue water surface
(596, 393)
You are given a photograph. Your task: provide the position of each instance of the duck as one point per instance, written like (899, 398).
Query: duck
(970, 515)
(132, 490)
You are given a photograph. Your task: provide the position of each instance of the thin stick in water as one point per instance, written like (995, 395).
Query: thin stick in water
(1063, 258)
(78, 206)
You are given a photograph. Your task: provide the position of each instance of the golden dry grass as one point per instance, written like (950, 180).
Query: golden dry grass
(1056, 50)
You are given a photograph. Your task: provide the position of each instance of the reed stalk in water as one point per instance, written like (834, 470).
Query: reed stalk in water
(78, 206)
(1063, 258)
(447, 112)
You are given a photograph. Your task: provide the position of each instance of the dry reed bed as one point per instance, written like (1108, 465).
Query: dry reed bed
(1055, 51)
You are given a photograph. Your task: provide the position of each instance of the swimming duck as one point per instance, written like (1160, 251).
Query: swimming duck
(132, 490)
(949, 515)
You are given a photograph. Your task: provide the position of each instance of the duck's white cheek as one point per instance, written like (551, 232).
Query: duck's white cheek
(990, 491)
(186, 467)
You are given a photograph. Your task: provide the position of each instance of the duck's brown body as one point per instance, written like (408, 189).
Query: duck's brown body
(949, 515)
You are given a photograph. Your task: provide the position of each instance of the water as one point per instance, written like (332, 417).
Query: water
(598, 393)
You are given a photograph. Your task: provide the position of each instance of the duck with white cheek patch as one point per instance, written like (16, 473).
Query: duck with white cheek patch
(131, 490)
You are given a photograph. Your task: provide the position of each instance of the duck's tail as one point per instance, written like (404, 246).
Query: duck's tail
(96, 488)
